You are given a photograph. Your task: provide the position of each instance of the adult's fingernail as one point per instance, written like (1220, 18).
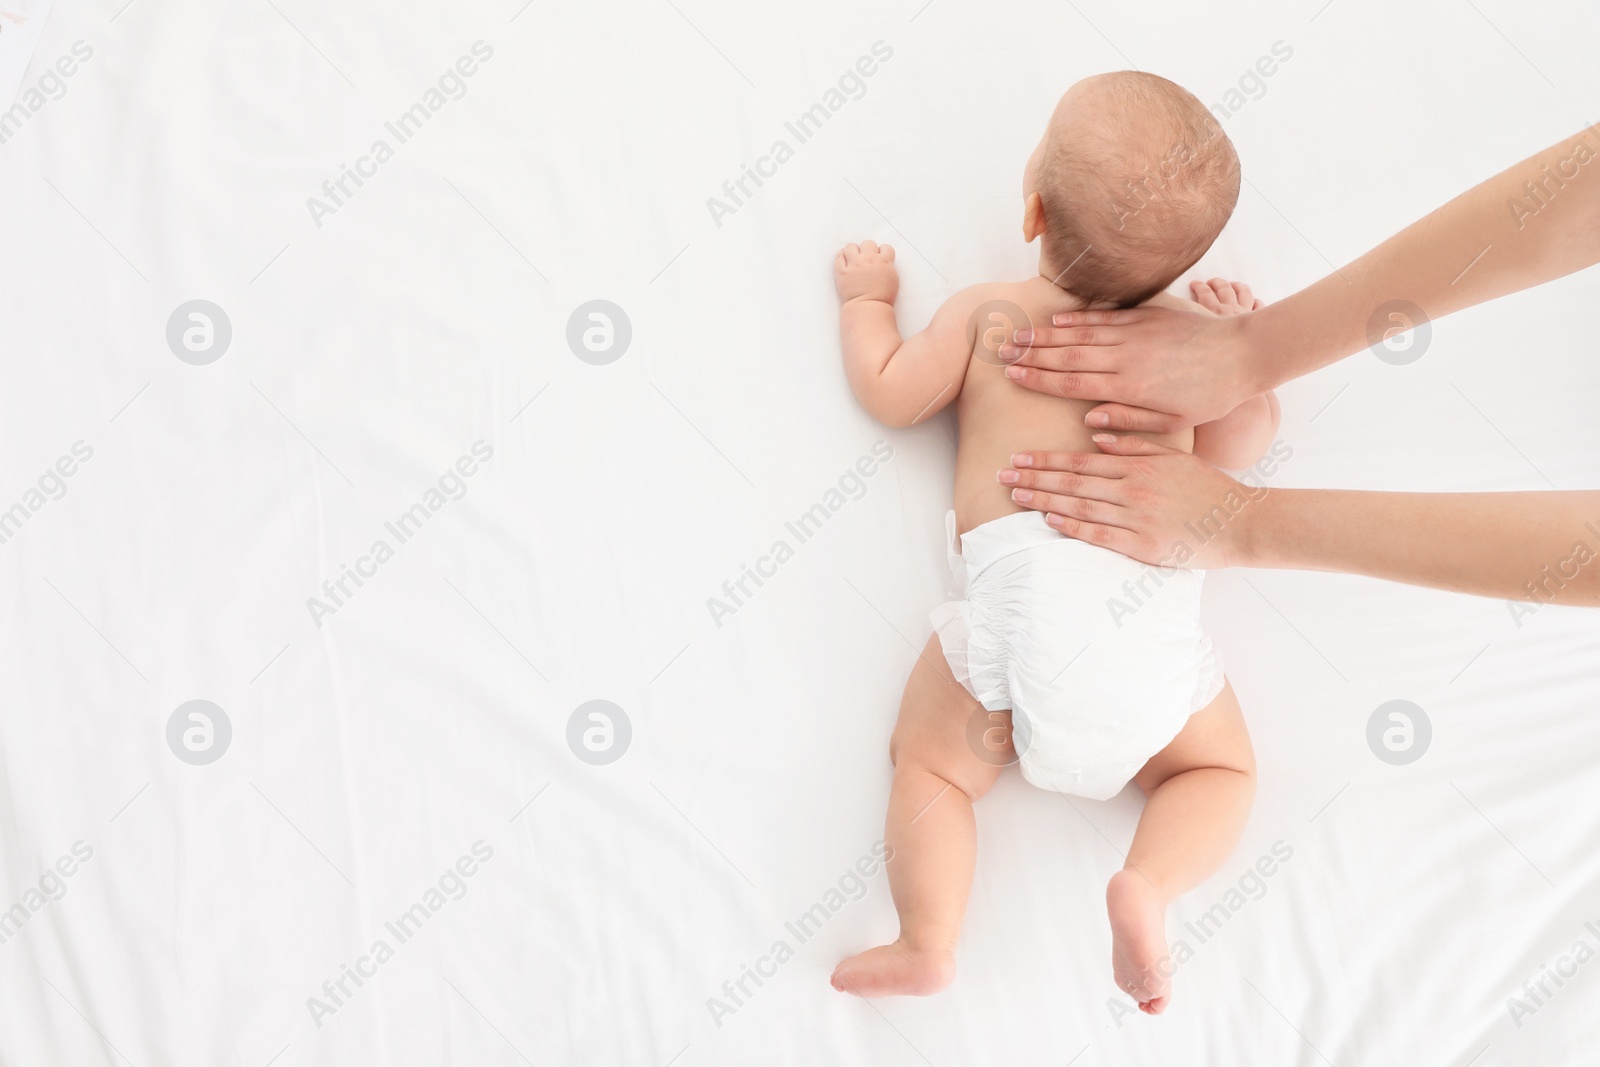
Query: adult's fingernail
(1023, 337)
(1053, 519)
(1098, 418)
(1015, 373)
(1010, 353)
(1008, 477)
(1021, 496)
(1062, 320)
(1103, 438)
(1022, 459)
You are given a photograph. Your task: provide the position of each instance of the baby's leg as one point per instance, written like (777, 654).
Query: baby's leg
(1198, 792)
(931, 832)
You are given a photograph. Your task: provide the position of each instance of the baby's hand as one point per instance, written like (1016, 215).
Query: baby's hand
(1225, 299)
(866, 271)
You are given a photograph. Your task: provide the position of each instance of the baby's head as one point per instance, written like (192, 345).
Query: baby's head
(1130, 185)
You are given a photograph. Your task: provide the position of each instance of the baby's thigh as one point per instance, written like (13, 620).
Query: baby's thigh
(1214, 736)
(942, 729)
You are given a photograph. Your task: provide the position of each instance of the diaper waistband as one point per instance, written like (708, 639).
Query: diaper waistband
(996, 539)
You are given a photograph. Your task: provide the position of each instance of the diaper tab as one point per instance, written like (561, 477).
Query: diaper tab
(952, 552)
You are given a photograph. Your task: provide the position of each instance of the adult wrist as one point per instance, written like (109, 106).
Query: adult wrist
(1259, 535)
(1255, 348)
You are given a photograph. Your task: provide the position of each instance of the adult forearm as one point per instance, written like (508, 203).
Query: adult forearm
(1535, 547)
(1535, 221)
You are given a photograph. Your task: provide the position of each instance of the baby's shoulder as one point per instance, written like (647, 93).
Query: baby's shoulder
(987, 314)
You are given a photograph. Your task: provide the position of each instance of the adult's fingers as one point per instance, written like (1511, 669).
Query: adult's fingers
(1075, 385)
(1046, 482)
(1097, 360)
(1096, 464)
(1113, 537)
(1083, 509)
(1125, 418)
(1064, 336)
(1134, 445)
(1112, 317)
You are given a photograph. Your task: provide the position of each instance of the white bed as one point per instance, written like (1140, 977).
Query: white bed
(376, 339)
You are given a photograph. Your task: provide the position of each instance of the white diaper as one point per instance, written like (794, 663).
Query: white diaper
(1100, 658)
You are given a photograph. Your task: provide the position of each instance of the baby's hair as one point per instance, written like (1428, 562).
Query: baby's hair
(1133, 200)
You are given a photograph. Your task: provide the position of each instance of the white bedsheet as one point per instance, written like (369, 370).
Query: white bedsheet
(377, 338)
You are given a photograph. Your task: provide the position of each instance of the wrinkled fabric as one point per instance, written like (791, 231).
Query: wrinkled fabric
(1100, 658)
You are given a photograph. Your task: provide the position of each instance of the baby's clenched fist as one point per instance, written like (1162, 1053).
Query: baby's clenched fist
(866, 271)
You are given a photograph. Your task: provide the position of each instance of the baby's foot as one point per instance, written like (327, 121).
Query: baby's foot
(1224, 298)
(1139, 940)
(895, 970)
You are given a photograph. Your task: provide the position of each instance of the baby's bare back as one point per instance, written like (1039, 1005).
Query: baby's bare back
(997, 418)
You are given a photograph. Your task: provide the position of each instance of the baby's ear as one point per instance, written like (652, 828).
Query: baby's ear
(1032, 217)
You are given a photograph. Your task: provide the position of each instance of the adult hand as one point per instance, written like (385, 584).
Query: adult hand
(1145, 500)
(1157, 369)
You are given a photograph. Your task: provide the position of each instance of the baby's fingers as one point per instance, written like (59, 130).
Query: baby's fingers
(1225, 294)
(1203, 295)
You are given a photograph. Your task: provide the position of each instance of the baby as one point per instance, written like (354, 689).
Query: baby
(1042, 662)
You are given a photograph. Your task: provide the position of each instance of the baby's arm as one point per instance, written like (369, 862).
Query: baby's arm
(899, 382)
(1244, 434)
